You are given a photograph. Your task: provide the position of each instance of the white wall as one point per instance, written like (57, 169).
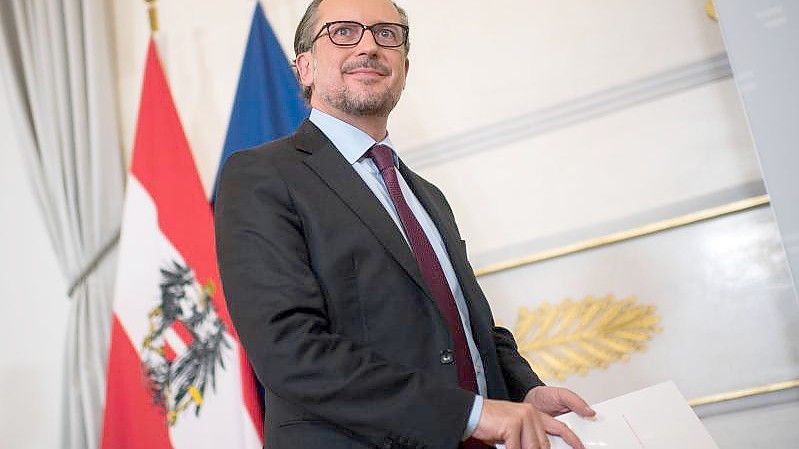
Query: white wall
(639, 158)
(35, 309)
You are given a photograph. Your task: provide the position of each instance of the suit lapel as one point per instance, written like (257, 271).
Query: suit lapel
(328, 163)
(448, 233)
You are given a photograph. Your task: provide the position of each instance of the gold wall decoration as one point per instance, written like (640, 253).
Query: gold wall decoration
(575, 337)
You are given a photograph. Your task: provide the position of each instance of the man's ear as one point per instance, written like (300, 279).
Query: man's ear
(304, 64)
(407, 66)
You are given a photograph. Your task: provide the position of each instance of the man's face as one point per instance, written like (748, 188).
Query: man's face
(364, 80)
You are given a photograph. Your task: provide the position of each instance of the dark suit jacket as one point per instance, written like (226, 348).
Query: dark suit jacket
(333, 312)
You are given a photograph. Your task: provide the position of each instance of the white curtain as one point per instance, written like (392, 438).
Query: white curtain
(55, 64)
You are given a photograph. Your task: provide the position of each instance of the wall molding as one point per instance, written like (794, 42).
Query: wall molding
(634, 219)
(744, 393)
(577, 110)
(628, 234)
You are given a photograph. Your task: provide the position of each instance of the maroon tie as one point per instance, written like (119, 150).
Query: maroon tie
(432, 273)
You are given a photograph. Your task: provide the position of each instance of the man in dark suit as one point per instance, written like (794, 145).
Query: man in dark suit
(346, 276)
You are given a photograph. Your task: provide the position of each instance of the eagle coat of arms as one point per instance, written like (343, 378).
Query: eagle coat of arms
(185, 343)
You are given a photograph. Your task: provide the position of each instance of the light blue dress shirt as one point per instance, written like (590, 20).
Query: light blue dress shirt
(353, 144)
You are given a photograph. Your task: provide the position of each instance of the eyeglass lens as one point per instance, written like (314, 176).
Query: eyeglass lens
(350, 33)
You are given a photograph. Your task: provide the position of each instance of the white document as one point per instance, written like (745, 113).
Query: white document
(657, 417)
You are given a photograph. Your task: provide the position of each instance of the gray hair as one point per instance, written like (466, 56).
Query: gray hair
(303, 37)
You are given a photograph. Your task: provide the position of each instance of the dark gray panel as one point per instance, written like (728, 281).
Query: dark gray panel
(762, 39)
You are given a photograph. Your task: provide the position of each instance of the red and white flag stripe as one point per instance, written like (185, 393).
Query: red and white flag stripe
(168, 224)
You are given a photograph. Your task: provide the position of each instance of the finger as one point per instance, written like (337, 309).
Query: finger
(542, 436)
(529, 438)
(576, 404)
(531, 430)
(513, 438)
(557, 428)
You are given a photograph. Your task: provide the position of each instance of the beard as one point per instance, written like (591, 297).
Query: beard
(376, 104)
(366, 103)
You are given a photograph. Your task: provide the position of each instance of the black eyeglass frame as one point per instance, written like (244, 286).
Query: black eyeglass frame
(326, 27)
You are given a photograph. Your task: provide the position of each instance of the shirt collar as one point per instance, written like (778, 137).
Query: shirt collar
(350, 141)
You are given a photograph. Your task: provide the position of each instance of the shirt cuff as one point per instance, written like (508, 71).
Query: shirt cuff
(474, 416)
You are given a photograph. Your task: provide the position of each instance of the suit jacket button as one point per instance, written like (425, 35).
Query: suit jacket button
(447, 357)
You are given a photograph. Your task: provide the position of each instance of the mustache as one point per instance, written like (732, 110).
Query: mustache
(372, 64)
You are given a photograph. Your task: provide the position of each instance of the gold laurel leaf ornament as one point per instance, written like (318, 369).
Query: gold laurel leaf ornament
(575, 337)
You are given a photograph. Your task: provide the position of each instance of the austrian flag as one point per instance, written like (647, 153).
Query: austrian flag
(177, 374)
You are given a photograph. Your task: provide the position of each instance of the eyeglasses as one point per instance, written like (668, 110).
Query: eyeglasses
(347, 33)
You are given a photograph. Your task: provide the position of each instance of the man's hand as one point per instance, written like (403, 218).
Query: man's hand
(526, 425)
(553, 401)
(556, 401)
(518, 426)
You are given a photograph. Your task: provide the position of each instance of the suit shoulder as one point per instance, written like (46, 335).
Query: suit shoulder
(277, 152)
(265, 157)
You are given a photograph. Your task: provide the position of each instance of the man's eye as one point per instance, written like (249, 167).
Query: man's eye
(343, 31)
(387, 33)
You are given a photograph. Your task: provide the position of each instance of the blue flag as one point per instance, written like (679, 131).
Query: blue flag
(268, 103)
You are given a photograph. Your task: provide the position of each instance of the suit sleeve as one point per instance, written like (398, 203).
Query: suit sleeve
(279, 313)
(519, 376)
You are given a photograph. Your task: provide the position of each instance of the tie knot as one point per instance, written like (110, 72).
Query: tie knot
(382, 156)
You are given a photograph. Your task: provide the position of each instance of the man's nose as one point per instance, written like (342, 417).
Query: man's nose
(368, 44)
